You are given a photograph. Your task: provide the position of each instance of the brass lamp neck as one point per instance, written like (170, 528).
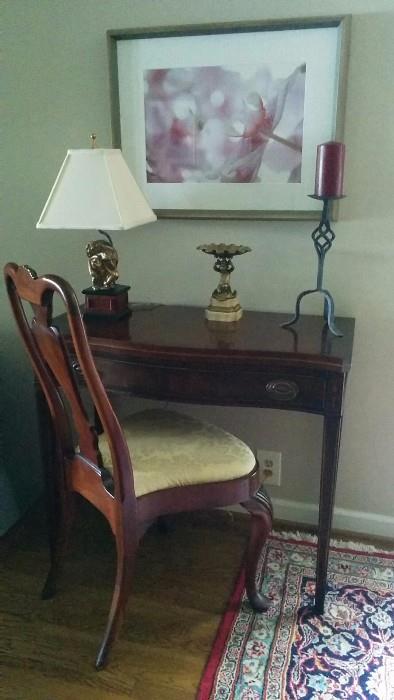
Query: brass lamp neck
(107, 236)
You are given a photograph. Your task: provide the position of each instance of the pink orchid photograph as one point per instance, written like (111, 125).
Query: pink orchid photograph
(223, 124)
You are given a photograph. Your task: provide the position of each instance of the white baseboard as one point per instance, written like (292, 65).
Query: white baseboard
(302, 513)
(353, 520)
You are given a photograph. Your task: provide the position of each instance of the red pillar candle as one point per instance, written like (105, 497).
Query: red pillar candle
(329, 169)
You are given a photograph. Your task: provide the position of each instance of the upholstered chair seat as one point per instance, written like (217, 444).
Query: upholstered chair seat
(170, 449)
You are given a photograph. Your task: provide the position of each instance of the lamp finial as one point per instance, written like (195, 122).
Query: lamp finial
(93, 138)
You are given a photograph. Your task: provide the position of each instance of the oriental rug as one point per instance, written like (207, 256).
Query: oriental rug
(289, 652)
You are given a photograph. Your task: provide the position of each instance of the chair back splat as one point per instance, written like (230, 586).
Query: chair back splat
(154, 463)
(76, 439)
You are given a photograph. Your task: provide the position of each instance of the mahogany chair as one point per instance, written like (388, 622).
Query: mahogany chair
(154, 463)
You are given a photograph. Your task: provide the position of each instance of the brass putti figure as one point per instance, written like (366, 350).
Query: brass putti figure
(224, 304)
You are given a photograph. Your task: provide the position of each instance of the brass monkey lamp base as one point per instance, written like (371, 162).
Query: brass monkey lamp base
(224, 304)
(105, 298)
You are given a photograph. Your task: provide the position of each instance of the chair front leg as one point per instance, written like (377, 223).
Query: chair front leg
(260, 508)
(122, 588)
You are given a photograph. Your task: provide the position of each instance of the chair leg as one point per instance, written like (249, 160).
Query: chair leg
(260, 508)
(124, 576)
(59, 502)
(60, 520)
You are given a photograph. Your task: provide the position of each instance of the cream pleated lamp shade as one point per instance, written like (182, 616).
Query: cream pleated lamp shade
(95, 190)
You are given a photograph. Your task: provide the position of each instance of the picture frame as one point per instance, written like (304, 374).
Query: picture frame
(223, 121)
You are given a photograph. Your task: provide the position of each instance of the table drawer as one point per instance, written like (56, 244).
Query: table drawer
(233, 386)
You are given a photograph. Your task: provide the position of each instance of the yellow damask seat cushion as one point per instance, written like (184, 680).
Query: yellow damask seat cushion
(170, 449)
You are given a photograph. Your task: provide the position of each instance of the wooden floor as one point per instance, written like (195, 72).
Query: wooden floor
(183, 580)
(47, 648)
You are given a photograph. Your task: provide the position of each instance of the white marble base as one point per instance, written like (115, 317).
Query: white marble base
(224, 310)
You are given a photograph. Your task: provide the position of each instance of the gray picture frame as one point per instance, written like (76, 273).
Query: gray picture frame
(311, 210)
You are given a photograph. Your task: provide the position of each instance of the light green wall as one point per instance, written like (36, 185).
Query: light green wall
(57, 92)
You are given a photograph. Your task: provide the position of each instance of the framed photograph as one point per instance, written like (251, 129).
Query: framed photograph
(223, 121)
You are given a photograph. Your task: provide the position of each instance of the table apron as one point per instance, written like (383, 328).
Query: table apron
(287, 388)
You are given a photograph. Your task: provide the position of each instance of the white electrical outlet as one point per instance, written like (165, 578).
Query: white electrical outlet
(270, 467)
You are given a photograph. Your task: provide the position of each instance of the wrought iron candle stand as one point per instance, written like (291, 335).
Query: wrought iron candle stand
(323, 237)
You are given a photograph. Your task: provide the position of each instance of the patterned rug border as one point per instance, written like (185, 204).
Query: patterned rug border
(231, 611)
(335, 543)
(225, 625)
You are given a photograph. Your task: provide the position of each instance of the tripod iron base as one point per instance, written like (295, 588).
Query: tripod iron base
(328, 310)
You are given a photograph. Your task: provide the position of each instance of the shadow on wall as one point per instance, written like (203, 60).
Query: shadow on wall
(21, 479)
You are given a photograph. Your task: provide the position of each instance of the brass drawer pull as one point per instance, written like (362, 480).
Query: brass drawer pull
(282, 389)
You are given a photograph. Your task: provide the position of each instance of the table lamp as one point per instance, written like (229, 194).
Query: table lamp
(96, 190)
